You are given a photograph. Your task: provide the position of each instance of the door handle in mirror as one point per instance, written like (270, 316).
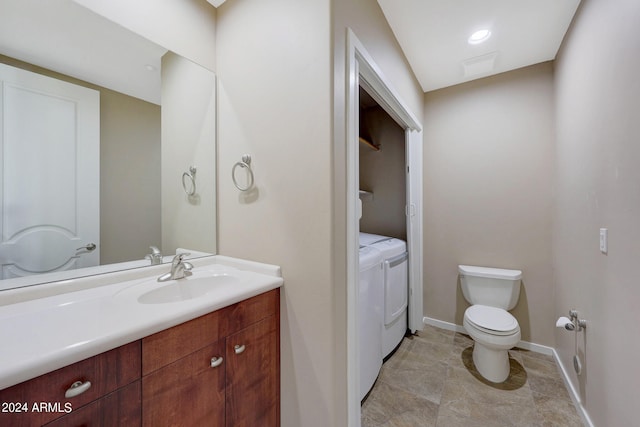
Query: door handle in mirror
(88, 247)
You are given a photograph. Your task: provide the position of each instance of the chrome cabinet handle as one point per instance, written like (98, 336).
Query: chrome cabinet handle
(77, 388)
(89, 247)
(216, 361)
(239, 348)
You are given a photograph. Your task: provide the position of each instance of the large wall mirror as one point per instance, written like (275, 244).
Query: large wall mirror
(107, 143)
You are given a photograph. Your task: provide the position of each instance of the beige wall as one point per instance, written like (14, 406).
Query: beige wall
(129, 177)
(598, 134)
(274, 103)
(188, 139)
(383, 173)
(488, 174)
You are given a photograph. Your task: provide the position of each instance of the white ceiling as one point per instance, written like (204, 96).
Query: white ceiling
(65, 37)
(62, 36)
(433, 35)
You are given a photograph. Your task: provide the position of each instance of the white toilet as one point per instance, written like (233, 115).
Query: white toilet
(492, 291)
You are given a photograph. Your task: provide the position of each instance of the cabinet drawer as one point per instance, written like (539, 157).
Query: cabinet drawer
(106, 372)
(239, 316)
(167, 346)
(121, 408)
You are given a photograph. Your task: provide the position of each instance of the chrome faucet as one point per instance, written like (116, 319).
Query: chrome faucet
(179, 268)
(155, 256)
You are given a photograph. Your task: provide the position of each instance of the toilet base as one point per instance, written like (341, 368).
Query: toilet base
(492, 364)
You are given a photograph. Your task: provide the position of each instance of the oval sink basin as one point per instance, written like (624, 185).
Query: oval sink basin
(187, 288)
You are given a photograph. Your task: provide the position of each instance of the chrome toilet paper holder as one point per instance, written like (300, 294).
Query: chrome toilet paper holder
(572, 322)
(581, 323)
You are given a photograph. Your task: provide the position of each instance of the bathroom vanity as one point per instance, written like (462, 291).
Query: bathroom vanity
(212, 358)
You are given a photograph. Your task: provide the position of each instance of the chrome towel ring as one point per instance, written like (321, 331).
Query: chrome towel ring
(245, 163)
(190, 181)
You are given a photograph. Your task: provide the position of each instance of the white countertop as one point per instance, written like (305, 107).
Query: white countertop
(49, 332)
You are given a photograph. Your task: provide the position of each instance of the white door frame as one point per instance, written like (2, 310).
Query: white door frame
(363, 71)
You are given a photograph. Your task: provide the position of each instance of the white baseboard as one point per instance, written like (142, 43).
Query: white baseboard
(525, 345)
(575, 397)
(537, 348)
(443, 325)
(549, 351)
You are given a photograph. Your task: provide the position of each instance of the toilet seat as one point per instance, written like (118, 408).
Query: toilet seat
(491, 320)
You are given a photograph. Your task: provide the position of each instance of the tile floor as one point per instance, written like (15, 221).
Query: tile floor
(431, 382)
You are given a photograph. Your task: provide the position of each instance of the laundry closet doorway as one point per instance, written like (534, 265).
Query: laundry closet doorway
(382, 171)
(364, 74)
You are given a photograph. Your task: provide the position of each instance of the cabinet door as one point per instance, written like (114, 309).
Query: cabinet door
(187, 392)
(253, 375)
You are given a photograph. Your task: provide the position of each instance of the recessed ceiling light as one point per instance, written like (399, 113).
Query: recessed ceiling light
(479, 36)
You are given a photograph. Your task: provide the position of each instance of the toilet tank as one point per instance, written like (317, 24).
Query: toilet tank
(495, 287)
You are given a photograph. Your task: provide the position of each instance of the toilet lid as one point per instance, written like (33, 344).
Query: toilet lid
(491, 319)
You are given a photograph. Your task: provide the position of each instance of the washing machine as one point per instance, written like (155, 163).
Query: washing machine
(395, 287)
(370, 296)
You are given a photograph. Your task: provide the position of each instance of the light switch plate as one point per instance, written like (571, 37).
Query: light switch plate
(604, 240)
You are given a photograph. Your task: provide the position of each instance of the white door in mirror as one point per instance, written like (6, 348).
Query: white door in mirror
(50, 174)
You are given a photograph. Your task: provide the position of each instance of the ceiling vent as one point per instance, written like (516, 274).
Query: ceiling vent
(483, 64)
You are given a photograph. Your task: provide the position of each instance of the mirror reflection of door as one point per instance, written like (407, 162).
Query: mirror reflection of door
(49, 174)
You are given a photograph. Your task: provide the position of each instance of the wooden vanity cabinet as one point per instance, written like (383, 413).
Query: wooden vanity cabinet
(43, 398)
(221, 369)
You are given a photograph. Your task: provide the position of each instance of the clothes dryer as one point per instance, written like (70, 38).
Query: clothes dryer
(396, 287)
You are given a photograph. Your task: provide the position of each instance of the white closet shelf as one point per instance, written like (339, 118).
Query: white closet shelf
(365, 195)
